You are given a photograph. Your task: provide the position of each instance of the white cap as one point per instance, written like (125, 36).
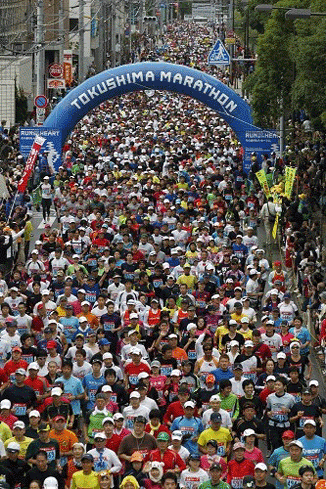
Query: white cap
(132, 331)
(312, 382)
(165, 265)
(281, 354)
(248, 343)
(176, 435)
(309, 421)
(248, 432)
(135, 351)
(190, 404)
(36, 252)
(261, 466)
(50, 483)
(191, 326)
(117, 416)
(173, 335)
(270, 377)
(34, 413)
(234, 343)
(45, 292)
(134, 394)
(274, 291)
(294, 343)
(297, 443)
(85, 303)
(100, 434)
(106, 388)
(133, 315)
(253, 271)
(175, 372)
(19, 424)
(107, 419)
(215, 397)
(56, 391)
(245, 319)
(107, 355)
(33, 366)
(143, 375)
(13, 445)
(5, 404)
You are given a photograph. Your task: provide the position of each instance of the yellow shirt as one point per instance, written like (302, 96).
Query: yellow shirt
(220, 332)
(246, 334)
(23, 445)
(237, 317)
(5, 431)
(82, 481)
(189, 280)
(222, 436)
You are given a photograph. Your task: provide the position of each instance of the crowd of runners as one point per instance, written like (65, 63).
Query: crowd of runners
(148, 339)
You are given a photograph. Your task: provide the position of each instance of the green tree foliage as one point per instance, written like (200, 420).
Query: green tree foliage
(291, 68)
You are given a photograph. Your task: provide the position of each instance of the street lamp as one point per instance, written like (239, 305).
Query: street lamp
(302, 13)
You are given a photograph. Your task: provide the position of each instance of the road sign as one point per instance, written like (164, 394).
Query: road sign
(219, 55)
(56, 70)
(41, 101)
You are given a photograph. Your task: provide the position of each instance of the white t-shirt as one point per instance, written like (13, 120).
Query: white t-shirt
(129, 414)
(226, 419)
(183, 452)
(46, 191)
(192, 480)
(81, 371)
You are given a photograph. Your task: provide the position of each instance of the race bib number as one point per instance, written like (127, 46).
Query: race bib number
(237, 483)
(20, 409)
(221, 449)
(280, 417)
(292, 481)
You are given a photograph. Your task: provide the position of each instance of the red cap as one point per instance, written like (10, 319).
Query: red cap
(277, 263)
(58, 417)
(51, 344)
(40, 306)
(210, 378)
(288, 434)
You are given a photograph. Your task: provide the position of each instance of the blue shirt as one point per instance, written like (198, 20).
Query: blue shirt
(91, 384)
(275, 459)
(220, 374)
(70, 326)
(303, 336)
(314, 450)
(75, 387)
(190, 428)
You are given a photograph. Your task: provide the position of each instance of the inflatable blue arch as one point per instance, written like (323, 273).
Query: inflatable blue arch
(161, 76)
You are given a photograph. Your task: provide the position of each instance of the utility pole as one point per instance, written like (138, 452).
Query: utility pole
(61, 32)
(81, 50)
(40, 60)
(113, 34)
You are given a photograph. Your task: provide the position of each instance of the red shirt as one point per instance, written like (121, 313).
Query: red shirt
(10, 367)
(133, 371)
(10, 420)
(39, 386)
(175, 410)
(263, 395)
(170, 458)
(113, 442)
(263, 352)
(237, 471)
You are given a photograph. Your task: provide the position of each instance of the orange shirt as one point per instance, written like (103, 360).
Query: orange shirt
(66, 439)
(91, 318)
(179, 354)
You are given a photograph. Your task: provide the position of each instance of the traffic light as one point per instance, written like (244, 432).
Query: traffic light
(148, 18)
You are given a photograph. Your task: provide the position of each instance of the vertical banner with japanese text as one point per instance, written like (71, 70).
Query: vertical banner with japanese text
(289, 180)
(261, 176)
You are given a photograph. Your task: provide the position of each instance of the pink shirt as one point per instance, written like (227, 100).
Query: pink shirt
(207, 460)
(255, 456)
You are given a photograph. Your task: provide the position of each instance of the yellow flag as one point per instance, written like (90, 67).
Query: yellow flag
(274, 232)
(289, 181)
(261, 176)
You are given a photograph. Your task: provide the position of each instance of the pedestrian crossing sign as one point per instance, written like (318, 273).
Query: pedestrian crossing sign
(219, 55)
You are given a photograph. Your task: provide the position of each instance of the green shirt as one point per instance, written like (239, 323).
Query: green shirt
(291, 470)
(231, 405)
(95, 424)
(209, 485)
